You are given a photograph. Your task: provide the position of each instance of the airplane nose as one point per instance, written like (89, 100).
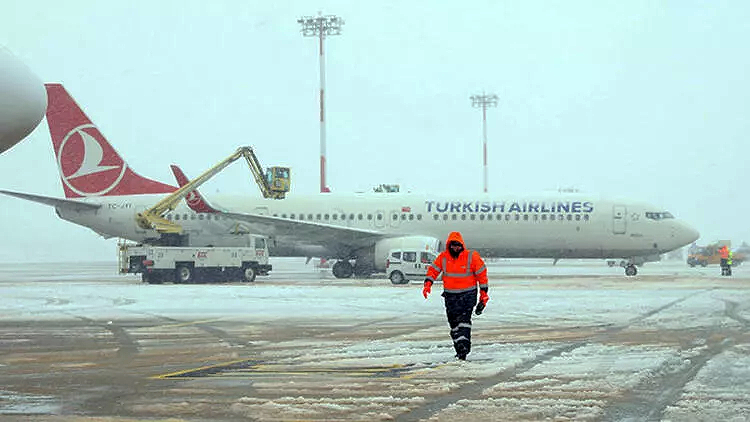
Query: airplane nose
(685, 234)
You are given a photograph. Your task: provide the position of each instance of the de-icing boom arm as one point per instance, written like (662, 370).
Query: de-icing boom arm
(153, 218)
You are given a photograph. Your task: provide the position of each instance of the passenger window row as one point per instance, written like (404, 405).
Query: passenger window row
(513, 217)
(403, 217)
(194, 216)
(350, 217)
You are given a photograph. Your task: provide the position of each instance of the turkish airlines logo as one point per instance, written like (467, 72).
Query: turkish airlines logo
(85, 167)
(193, 199)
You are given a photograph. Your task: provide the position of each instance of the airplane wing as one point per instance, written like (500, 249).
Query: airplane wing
(309, 231)
(55, 202)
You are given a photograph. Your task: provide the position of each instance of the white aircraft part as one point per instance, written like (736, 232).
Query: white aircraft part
(23, 100)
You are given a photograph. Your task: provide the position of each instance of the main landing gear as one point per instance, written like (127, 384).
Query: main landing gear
(362, 267)
(342, 269)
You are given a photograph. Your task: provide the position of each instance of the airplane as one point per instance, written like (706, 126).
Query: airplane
(357, 230)
(22, 100)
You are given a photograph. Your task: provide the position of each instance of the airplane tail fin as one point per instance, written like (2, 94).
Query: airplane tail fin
(88, 164)
(194, 199)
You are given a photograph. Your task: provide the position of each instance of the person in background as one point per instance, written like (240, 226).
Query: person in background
(464, 272)
(729, 263)
(724, 255)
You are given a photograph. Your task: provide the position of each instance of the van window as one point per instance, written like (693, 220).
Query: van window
(426, 258)
(410, 256)
(260, 243)
(396, 255)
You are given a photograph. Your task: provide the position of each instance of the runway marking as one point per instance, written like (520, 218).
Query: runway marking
(208, 369)
(249, 367)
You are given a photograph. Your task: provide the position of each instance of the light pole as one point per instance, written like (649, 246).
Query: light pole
(321, 26)
(484, 101)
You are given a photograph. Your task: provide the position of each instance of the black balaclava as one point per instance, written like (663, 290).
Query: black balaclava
(453, 253)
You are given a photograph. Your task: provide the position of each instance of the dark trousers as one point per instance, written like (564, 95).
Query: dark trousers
(458, 308)
(725, 267)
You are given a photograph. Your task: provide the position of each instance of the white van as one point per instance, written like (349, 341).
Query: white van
(403, 264)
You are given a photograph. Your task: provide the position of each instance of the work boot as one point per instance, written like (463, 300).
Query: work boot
(461, 351)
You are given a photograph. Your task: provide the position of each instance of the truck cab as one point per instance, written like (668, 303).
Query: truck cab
(403, 264)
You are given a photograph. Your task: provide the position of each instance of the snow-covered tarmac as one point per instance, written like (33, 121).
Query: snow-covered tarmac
(575, 341)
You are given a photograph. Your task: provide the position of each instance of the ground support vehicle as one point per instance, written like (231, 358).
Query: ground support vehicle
(709, 255)
(404, 264)
(159, 264)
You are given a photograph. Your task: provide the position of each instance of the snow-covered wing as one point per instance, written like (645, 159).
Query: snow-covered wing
(308, 231)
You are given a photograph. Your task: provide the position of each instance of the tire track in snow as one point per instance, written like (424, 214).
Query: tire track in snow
(473, 390)
(650, 398)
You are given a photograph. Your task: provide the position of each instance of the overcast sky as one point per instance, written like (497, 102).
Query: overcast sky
(643, 99)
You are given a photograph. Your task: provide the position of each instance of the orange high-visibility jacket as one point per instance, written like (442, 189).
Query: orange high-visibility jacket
(461, 274)
(724, 252)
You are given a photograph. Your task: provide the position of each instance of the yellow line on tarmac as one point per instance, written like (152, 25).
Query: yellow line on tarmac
(422, 371)
(275, 369)
(200, 368)
(287, 370)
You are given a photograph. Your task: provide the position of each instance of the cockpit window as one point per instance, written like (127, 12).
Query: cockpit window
(659, 215)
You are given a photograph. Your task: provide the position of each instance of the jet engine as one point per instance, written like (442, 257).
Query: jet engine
(23, 100)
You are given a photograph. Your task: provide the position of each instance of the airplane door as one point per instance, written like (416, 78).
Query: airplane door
(619, 225)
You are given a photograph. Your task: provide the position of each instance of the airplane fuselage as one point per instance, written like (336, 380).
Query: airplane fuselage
(543, 227)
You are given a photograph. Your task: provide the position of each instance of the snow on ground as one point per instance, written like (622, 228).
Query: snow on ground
(576, 341)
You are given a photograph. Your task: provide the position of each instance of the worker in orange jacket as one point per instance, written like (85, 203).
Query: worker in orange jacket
(724, 255)
(463, 271)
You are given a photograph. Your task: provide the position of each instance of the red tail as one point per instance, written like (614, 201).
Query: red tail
(88, 164)
(194, 199)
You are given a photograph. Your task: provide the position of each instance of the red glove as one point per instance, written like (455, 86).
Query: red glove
(427, 288)
(483, 299)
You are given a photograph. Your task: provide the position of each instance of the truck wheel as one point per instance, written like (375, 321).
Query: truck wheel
(397, 277)
(184, 273)
(248, 274)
